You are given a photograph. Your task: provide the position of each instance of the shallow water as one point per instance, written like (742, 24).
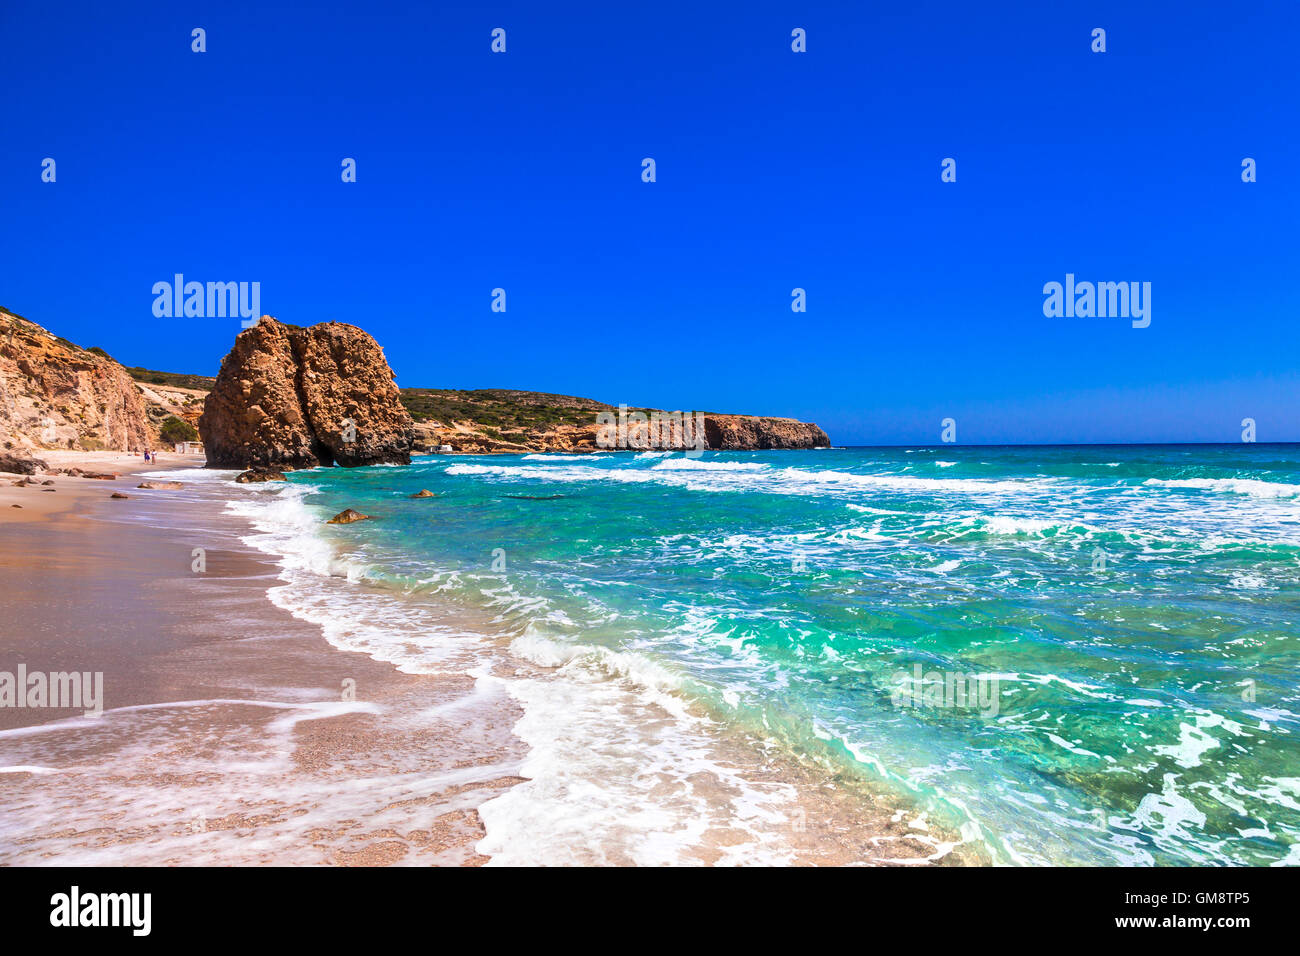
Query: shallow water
(1121, 618)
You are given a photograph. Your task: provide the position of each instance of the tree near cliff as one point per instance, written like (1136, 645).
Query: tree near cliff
(290, 397)
(175, 430)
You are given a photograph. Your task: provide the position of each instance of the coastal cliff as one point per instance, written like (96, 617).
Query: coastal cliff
(57, 395)
(289, 397)
(744, 433)
(487, 421)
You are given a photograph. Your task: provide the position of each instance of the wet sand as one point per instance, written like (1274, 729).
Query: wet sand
(227, 736)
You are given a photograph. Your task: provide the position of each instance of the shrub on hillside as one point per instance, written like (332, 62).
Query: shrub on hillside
(175, 430)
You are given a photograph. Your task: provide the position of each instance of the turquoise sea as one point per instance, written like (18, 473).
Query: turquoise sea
(1124, 619)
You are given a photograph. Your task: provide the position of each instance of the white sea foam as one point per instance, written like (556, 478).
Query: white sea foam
(1006, 524)
(1253, 487)
(550, 457)
(695, 464)
(620, 772)
(1244, 580)
(828, 480)
(614, 751)
(724, 476)
(204, 476)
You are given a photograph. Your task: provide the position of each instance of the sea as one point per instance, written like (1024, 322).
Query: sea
(1032, 655)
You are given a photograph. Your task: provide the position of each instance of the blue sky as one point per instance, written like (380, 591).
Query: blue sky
(775, 170)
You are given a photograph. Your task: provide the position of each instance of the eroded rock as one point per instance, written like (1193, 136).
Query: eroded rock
(348, 515)
(260, 474)
(299, 398)
(745, 433)
(18, 465)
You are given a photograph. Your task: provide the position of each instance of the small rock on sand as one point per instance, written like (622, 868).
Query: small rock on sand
(118, 494)
(162, 485)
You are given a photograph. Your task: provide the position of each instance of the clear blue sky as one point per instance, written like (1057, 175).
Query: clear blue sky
(776, 170)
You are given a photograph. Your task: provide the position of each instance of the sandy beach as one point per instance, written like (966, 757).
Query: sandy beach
(225, 738)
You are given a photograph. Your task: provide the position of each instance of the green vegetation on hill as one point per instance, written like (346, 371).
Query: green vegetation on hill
(499, 407)
(174, 379)
(177, 430)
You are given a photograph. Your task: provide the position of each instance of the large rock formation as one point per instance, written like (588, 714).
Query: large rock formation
(743, 433)
(54, 394)
(288, 397)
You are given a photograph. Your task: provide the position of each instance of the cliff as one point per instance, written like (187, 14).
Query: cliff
(57, 395)
(743, 432)
(288, 397)
(508, 420)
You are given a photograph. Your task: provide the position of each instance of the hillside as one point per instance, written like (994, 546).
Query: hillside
(502, 419)
(509, 420)
(55, 394)
(198, 383)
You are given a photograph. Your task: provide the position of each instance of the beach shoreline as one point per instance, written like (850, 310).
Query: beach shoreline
(227, 735)
(203, 672)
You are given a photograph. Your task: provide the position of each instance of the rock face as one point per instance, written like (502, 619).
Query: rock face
(21, 466)
(743, 433)
(347, 516)
(56, 395)
(721, 433)
(288, 397)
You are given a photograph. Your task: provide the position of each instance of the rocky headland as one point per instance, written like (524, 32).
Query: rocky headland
(289, 397)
